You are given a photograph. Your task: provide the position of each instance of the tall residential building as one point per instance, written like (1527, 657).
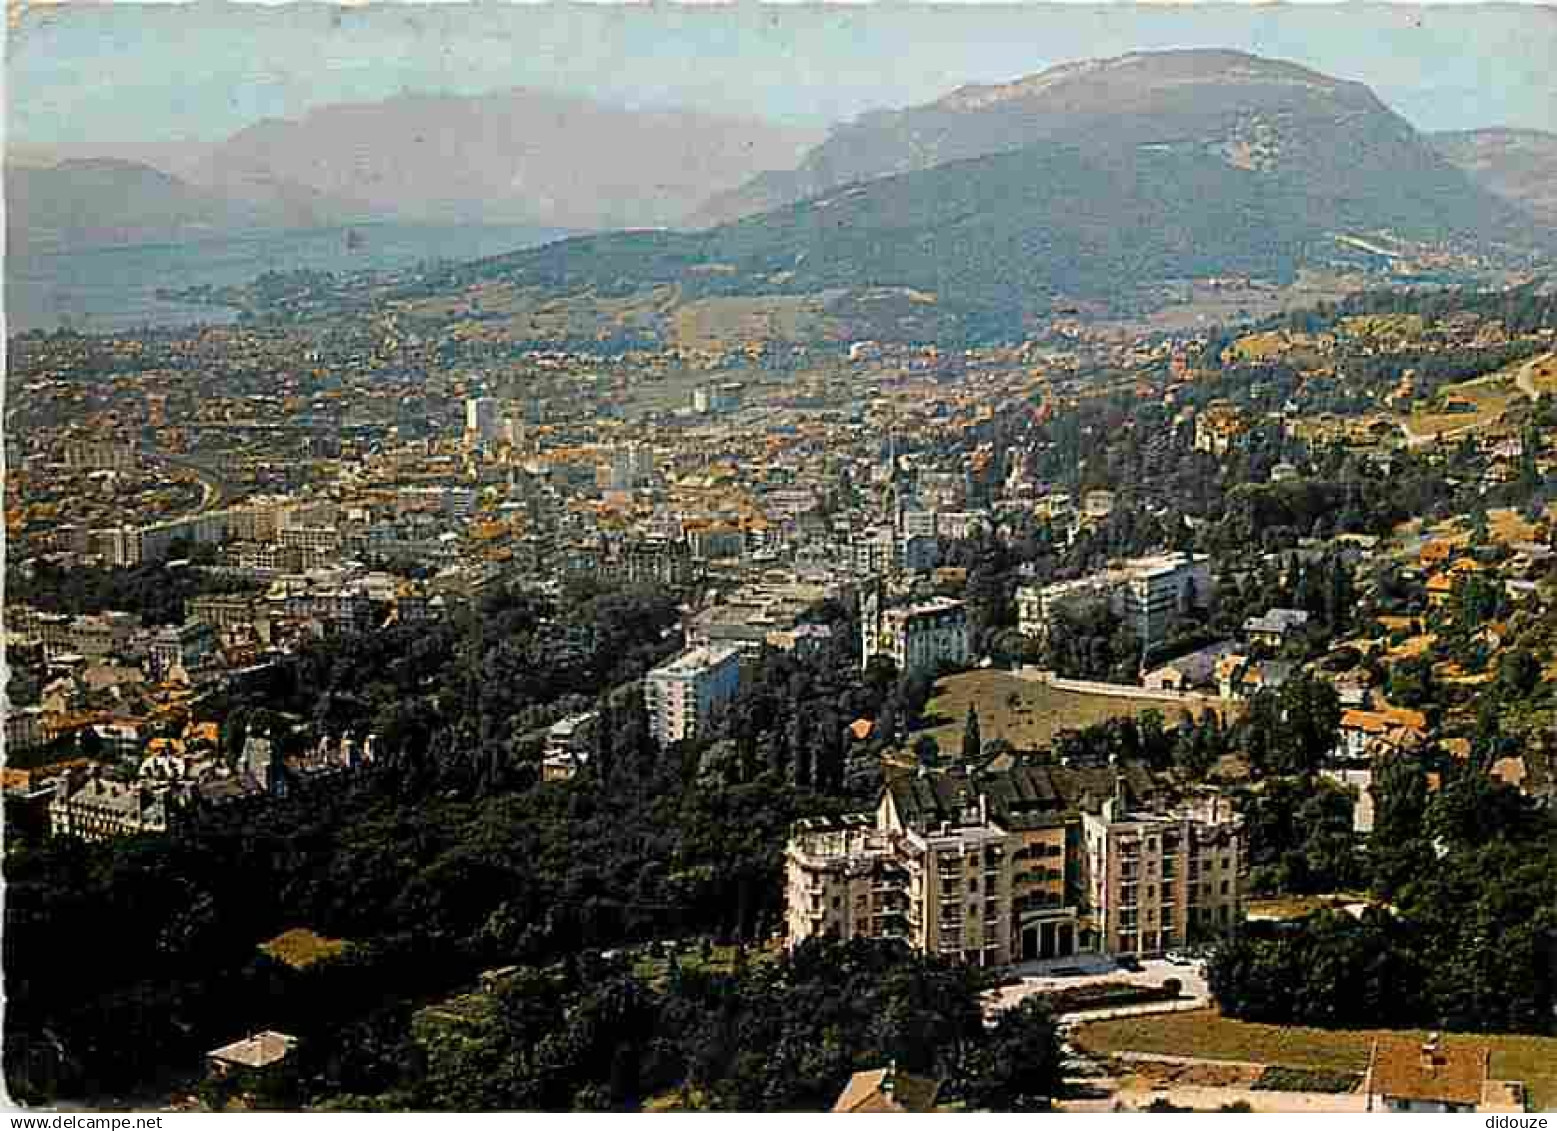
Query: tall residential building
(1145, 593)
(1029, 863)
(1157, 878)
(627, 466)
(874, 551)
(92, 807)
(681, 693)
(481, 420)
(100, 455)
(918, 637)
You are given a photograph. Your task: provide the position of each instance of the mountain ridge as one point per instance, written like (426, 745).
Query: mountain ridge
(106, 201)
(1114, 206)
(1519, 165)
(1244, 103)
(517, 156)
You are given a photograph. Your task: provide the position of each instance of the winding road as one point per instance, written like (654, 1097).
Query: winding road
(1524, 381)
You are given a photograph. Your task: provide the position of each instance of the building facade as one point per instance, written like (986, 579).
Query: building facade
(185, 645)
(96, 808)
(918, 637)
(481, 420)
(1156, 880)
(1145, 593)
(1036, 862)
(681, 694)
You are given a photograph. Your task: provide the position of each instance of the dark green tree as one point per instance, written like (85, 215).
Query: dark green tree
(972, 745)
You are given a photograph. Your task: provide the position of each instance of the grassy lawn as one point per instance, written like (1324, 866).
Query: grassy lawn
(1490, 395)
(1296, 906)
(1544, 376)
(732, 321)
(1202, 1033)
(720, 961)
(300, 947)
(1040, 712)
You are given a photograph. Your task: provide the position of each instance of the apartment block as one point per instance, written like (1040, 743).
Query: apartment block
(1157, 879)
(681, 693)
(481, 420)
(223, 610)
(1146, 593)
(918, 636)
(185, 645)
(1035, 862)
(100, 455)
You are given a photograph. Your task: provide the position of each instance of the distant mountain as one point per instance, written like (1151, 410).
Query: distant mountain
(91, 202)
(516, 157)
(1252, 175)
(519, 156)
(1518, 165)
(1270, 117)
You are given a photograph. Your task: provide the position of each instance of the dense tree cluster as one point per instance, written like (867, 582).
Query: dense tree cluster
(447, 858)
(1465, 940)
(156, 592)
(778, 1033)
(1300, 837)
(125, 955)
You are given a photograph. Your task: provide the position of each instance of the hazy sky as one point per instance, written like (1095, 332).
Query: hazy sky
(89, 73)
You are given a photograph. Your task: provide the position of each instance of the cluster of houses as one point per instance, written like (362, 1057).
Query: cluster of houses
(176, 779)
(112, 680)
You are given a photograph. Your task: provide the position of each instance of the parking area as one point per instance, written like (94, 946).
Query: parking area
(1038, 978)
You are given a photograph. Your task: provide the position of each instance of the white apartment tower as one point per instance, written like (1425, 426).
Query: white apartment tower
(481, 420)
(919, 636)
(681, 693)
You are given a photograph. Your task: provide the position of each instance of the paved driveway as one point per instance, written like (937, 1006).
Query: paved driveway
(1042, 978)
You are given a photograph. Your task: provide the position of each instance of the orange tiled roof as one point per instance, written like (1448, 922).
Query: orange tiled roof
(1383, 719)
(886, 1091)
(1404, 1069)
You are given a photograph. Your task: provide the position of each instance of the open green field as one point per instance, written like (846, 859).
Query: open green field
(727, 321)
(498, 311)
(1029, 721)
(721, 960)
(1297, 906)
(1203, 1033)
(1543, 376)
(300, 947)
(1490, 395)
